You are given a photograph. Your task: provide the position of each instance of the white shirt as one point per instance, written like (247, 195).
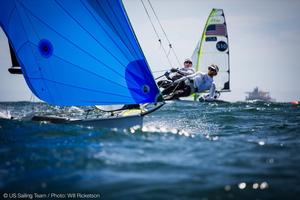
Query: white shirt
(203, 82)
(186, 71)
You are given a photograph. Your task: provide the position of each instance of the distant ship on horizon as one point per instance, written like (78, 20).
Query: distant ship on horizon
(259, 95)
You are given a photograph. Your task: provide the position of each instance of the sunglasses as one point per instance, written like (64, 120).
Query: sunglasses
(211, 69)
(188, 62)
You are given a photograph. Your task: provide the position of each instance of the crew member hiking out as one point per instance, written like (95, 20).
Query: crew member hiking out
(175, 74)
(194, 83)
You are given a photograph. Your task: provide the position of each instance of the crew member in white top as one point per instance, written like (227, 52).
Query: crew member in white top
(186, 70)
(195, 83)
(175, 74)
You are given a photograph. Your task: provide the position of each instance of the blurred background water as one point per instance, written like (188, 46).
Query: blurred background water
(185, 150)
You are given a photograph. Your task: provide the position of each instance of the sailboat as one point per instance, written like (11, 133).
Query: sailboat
(80, 53)
(213, 48)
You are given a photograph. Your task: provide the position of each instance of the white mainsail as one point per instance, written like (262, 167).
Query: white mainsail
(213, 48)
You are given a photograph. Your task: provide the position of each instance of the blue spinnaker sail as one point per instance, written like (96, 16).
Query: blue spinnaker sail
(78, 52)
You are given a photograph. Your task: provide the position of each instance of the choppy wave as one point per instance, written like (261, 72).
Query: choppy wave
(185, 150)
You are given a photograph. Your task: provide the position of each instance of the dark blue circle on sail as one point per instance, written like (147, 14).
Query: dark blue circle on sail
(222, 46)
(146, 89)
(139, 82)
(45, 48)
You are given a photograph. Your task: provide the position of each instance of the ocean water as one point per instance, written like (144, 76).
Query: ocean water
(184, 151)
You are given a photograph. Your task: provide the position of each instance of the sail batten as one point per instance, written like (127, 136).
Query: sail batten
(78, 52)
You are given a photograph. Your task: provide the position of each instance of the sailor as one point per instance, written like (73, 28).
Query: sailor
(175, 73)
(195, 83)
(186, 70)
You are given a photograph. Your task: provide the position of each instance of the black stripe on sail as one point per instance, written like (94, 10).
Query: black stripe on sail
(226, 86)
(13, 57)
(210, 39)
(15, 68)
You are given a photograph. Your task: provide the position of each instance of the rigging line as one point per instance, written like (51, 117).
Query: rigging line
(170, 45)
(158, 71)
(156, 33)
(172, 86)
(169, 52)
(159, 77)
(32, 101)
(167, 56)
(176, 87)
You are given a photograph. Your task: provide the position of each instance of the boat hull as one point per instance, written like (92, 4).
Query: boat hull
(111, 122)
(117, 122)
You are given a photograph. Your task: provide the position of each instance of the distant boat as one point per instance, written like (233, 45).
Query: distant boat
(259, 95)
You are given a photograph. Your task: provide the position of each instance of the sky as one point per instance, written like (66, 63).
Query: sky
(263, 35)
